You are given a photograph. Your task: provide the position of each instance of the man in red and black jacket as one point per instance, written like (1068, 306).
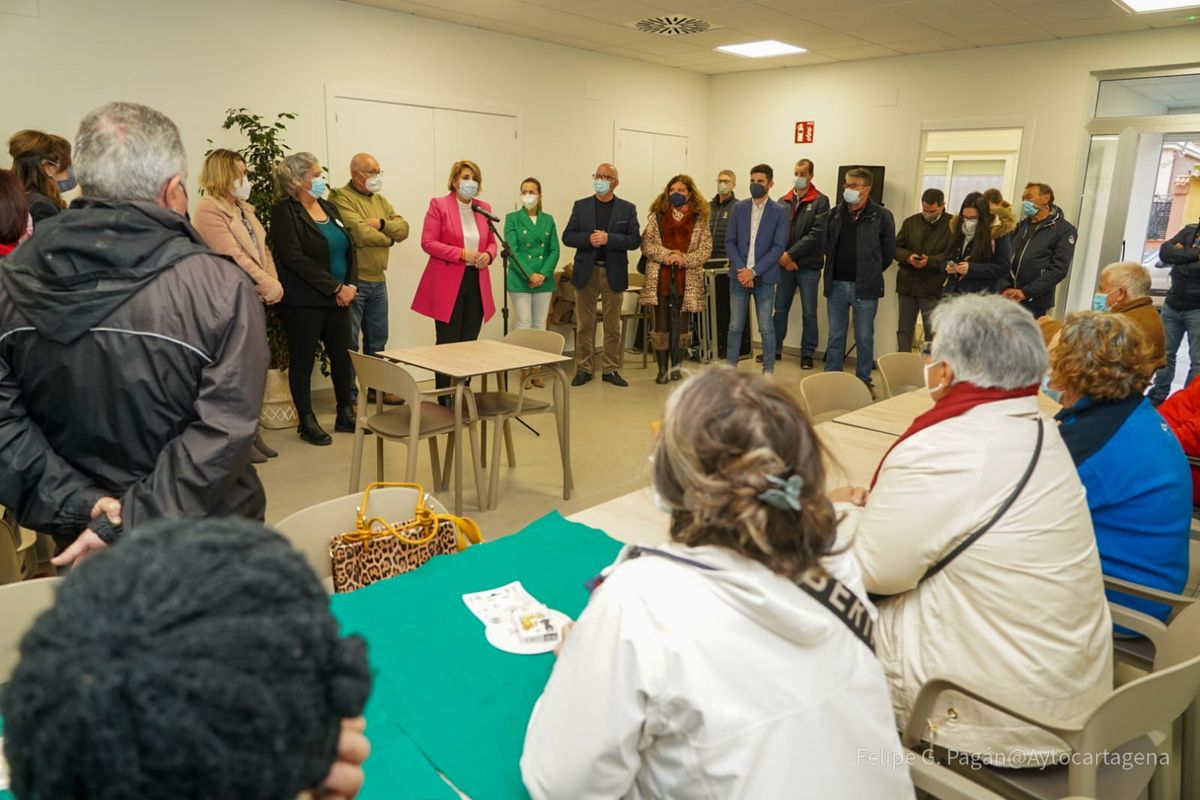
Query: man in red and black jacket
(802, 262)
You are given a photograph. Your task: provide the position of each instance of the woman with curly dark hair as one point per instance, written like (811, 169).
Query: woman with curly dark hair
(675, 243)
(711, 666)
(1139, 488)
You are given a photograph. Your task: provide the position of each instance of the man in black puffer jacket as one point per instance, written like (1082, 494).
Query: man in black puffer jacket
(1181, 311)
(1043, 246)
(132, 358)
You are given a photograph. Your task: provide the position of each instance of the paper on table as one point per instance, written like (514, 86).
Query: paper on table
(494, 606)
(515, 621)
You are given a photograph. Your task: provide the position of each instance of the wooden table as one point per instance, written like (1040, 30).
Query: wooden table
(851, 456)
(463, 360)
(894, 415)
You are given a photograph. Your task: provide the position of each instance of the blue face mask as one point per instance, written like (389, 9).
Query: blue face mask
(1099, 302)
(602, 186)
(1053, 394)
(800, 183)
(758, 191)
(468, 189)
(852, 196)
(69, 183)
(677, 199)
(1028, 208)
(318, 188)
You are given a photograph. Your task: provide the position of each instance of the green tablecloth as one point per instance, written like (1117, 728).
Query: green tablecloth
(439, 683)
(443, 696)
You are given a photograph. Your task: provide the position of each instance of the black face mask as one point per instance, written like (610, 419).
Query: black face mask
(757, 191)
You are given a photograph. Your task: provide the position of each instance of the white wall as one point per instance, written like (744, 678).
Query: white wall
(873, 112)
(193, 60)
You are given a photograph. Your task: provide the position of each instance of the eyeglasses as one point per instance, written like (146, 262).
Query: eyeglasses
(600, 177)
(369, 174)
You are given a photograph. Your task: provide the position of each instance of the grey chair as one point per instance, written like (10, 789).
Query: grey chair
(502, 407)
(830, 394)
(22, 602)
(901, 372)
(1135, 722)
(419, 418)
(1169, 644)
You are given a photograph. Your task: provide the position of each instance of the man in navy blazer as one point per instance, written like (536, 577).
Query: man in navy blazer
(603, 229)
(756, 238)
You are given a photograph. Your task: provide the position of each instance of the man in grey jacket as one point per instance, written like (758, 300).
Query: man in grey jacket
(132, 358)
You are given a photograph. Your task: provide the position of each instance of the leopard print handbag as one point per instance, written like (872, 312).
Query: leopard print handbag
(378, 549)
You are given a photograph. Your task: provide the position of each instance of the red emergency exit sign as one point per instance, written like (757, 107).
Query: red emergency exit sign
(804, 132)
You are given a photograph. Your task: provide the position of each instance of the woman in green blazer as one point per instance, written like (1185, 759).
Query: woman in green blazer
(533, 238)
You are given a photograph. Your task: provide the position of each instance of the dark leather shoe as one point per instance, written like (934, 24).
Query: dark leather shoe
(344, 422)
(582, 377)
(806, 362)
(311, 432)
(262, 447)
(614, 378)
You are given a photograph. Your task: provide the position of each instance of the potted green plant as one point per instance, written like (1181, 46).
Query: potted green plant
(264, 149)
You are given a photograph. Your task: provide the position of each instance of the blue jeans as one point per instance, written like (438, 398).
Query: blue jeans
(807, 281)
(1176, 324)
(739, 312)
(841, 300)
(369, 315)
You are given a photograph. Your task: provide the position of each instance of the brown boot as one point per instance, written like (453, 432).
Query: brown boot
(661, 342)
(685, 341)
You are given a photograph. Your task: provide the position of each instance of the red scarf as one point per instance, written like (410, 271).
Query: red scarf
(958, 400)
(5, 249)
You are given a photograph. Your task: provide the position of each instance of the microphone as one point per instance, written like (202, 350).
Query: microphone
(485, 212)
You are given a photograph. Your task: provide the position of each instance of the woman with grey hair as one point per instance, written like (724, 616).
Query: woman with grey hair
(319, 274)
(976, 539)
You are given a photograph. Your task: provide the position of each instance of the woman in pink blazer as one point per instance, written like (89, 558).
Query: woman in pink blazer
(456, 287)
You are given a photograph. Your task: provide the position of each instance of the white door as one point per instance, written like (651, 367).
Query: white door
(416, 146)
(490, 140)
(646, 161)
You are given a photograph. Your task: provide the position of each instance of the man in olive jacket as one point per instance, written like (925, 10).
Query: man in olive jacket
(921, 245)
(374, 227)
(132, 357)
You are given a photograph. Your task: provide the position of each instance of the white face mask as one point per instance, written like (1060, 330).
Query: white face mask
(968, 228)
(374, 183)
(529, 200)
(659, 503)
(241, 189)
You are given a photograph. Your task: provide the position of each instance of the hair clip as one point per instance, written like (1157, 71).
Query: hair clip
(786, 496)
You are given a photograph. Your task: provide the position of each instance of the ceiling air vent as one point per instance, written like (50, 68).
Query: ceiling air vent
(673, 25)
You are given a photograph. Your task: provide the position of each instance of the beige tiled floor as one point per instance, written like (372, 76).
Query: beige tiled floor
(610, 439)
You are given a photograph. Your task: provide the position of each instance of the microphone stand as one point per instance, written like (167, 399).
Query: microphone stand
(506, 253)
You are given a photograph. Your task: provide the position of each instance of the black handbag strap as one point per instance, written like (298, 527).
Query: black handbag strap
(817, 584)
(1007, 504)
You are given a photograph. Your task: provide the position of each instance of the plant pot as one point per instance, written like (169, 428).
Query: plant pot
(278, 411)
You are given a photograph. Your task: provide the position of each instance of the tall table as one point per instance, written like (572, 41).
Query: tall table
(464, 360)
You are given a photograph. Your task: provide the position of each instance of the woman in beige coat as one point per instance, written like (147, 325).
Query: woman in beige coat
(228, 225)
(1019, 615)
(675, 242)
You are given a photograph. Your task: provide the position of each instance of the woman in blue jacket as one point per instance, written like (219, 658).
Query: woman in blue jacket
(1134, 470)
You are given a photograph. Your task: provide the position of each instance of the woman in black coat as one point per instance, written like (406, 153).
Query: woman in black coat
(316, 265)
